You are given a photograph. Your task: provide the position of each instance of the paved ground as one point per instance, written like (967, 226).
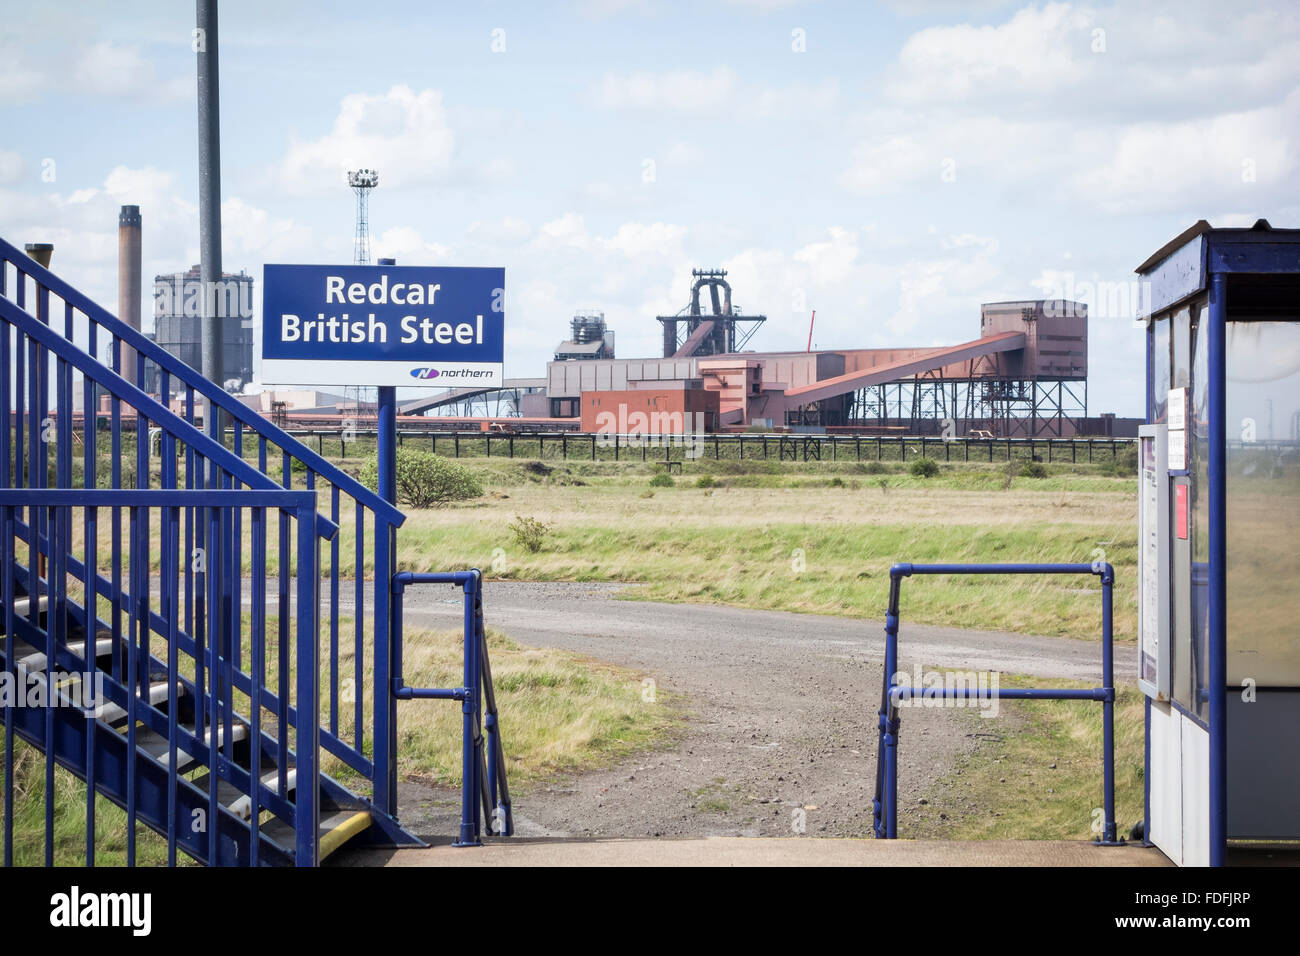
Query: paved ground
(785, 851)
(781, 709)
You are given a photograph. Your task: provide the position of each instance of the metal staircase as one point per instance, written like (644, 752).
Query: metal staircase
(230, 699)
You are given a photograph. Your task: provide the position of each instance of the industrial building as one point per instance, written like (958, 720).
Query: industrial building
(652, 408)
(590, 339)
(178, 322)
(1024, 375)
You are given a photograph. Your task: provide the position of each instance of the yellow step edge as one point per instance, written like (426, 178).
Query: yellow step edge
(342, 833)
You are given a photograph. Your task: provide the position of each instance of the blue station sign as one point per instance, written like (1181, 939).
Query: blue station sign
(382, 325)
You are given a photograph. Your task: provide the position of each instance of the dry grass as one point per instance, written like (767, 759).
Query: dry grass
(1035, 773)
(559, 712)
(826, 550)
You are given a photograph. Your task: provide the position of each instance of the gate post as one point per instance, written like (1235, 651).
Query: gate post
(385, 757)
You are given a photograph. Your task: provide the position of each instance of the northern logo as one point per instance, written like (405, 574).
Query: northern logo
(424, 373)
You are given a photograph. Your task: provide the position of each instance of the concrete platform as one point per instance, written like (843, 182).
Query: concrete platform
(766, 851)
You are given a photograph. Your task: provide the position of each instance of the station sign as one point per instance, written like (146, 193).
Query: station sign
(383, 325)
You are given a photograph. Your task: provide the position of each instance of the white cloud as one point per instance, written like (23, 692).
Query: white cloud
(1037, 51)
(407, 245)
(251, 234)
(637, 240)
(599, 9)
(677, 91)
(882, 166)
(832, 261)
(147, 186)
(508, 230)
(1123, 62)
(109, 69)
(568, 230)
(402, 134)
(682, 153)
(1242, 158)
(795, 101)
(19, 79)
(765, 5)
(867, 293)
(947, 7)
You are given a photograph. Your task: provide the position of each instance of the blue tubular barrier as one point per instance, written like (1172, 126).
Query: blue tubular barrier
(885, 805)
(483, 766)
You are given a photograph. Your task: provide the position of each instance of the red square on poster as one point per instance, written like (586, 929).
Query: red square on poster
(1180, 510)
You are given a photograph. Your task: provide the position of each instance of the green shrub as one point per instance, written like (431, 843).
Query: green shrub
(1125, 464)
(529, 533)
(837, 482)
(1033, 469)
(425, 480)
(924, 468)
(875, 468)
(705, 481)
(661, 479)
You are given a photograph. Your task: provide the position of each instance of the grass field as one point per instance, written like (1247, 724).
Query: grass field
(800, 536)
(818, 538)
(1035, 773)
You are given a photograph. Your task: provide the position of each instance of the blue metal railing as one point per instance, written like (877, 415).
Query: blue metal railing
(39, 361)
(885, 805)
(483, 762)
(149, 717)
(48, 440)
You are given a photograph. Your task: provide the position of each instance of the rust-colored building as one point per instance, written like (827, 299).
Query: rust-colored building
(658, 408)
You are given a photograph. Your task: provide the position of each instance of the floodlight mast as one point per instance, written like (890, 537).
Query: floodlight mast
(362, 181)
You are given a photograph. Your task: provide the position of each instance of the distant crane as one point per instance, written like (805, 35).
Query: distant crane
(810, 328)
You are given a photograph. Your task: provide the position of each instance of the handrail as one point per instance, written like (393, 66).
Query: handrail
(40, 423)
(237, 410)
(483, 775)
(206, 446)
(885, 805)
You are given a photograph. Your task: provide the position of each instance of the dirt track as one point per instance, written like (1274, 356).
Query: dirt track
(781, 712)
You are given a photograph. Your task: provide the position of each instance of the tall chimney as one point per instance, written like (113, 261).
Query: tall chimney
(128, 280)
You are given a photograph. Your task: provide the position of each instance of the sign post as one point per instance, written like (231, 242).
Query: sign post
(383, 326)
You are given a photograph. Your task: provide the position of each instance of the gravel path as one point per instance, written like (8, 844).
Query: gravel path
(780, 712)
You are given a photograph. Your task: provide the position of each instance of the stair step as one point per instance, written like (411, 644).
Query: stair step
(155, 744)
(112, 713)
(336, 827)
(23, 608)
(35, 662)
(238, 802)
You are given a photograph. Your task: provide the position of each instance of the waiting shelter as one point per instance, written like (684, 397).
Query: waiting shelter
(1219, 546)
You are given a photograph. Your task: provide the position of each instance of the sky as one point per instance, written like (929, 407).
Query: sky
(890, 165)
